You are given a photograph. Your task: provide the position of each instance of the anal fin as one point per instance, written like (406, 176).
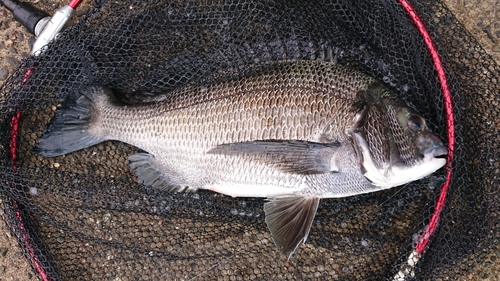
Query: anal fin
(151, 172)
(289, 218)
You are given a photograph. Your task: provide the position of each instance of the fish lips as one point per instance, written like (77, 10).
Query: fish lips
(436, 154)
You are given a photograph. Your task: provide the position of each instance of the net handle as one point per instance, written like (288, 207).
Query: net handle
(74, 4)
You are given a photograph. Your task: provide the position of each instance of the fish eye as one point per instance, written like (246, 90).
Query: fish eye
(415, 123)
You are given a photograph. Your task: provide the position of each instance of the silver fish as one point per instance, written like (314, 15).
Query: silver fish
(294, 132)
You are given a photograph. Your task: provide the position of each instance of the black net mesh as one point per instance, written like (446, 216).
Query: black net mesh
(83, 216)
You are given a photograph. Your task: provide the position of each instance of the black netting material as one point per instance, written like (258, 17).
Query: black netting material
(83, 216)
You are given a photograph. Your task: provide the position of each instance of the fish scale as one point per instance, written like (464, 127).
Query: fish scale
(206, 121)
(293, 131)
(199, 122)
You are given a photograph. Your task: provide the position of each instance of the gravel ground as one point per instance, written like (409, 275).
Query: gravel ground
(481, 18)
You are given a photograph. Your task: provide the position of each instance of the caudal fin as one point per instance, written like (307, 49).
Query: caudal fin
(68, 130)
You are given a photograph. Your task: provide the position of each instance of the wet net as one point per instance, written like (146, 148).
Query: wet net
(84, 216)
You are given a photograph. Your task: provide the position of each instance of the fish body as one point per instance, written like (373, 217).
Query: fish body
(293, 132)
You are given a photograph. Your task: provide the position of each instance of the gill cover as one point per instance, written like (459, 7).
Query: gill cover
(393, 143)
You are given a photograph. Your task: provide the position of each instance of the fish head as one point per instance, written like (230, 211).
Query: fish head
(394, 145)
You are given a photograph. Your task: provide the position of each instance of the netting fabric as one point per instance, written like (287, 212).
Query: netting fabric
(84, 216)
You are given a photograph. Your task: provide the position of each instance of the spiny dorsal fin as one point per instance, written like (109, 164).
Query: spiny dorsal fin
(292, 156)
(289, 218)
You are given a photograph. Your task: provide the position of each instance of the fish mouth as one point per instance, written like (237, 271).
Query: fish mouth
(437, 154)
(440, 152)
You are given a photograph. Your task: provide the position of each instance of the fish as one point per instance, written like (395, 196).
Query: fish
(292, 132)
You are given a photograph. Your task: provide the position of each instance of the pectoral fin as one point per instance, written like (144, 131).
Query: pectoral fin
(289, 218)
(293, 156)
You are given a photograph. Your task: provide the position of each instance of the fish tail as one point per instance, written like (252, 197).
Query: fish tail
(69, 128)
